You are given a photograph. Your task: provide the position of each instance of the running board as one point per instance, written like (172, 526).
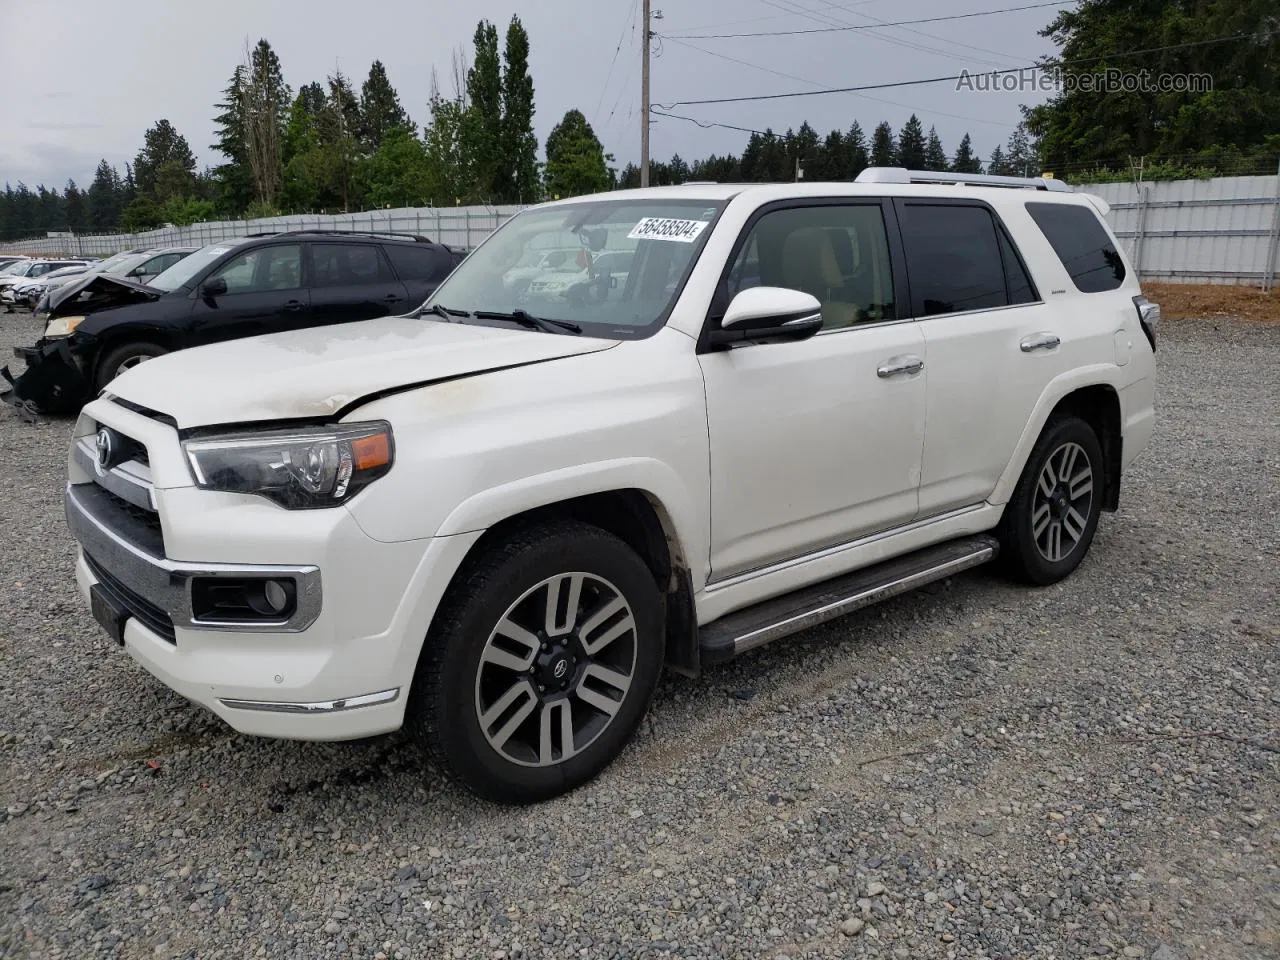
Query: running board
(769, 620)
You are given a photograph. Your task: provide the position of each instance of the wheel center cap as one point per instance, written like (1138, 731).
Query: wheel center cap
(555, 666)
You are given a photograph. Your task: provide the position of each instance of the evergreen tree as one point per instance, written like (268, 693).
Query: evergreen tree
(802, 147)
(935, 158)
(855, 147)
(575, 158)
(911, 144)
(884, 152)
(1019, 158)
(104, 199)
(998, 165)
(482, 131)
(444, 144)
(77, 212)
(338, 126)
(965, 161)
(165, 167)
(519, 143)
(380, 110)
(233, 180)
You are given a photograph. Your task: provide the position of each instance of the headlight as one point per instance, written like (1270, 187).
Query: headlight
(299, 469)
(62, 326)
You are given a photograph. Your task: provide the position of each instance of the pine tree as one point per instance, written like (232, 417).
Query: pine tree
(911, 144)
(165, 167)
(935, 158)
(77, 213)
(855, 148)
(998, 165)
(338, 126)
(233, 179)
(104, 198)
(519, 143)
(1018, 155)
(380, 110)
(884, 152)
(482, 131)
(965, 161)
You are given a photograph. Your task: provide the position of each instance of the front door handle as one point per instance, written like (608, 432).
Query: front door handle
(1040, 341)
(292, 305)
(392, 298)
(903, 363)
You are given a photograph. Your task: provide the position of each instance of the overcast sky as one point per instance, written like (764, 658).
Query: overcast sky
(83, 79)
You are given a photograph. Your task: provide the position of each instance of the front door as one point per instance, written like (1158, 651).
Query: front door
(818, 442)
(266, 293)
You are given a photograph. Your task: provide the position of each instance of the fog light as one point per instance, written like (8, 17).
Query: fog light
(237, 600)
(277, 596)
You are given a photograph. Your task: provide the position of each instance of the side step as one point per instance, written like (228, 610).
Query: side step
(769, 620)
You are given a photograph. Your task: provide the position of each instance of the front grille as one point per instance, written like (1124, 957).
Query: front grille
(144, 611)
(129, 522)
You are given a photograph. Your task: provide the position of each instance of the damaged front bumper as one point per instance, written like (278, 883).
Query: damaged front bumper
(54, 381)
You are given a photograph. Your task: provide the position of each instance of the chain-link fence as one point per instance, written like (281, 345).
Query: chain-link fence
(456, 226)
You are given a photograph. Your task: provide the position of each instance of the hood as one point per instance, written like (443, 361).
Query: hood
(319, 371)
(101, 290)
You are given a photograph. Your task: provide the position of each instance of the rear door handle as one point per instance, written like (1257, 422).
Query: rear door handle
(1040, 341)
(392, 298)
(903, 363)
(293, 305)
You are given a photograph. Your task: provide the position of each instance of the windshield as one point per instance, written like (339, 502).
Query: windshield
(613, 266)
(181, 272)
(107, 265)
(127, 263)
(18, 268)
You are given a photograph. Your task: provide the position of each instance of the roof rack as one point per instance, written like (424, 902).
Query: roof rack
(346, 233)
(902, 175)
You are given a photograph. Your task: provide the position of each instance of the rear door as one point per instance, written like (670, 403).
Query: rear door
(991, 339)
(353, 281)
(421, 267)
(266, 293)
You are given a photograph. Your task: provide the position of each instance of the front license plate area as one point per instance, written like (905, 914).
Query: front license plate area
(109, 613)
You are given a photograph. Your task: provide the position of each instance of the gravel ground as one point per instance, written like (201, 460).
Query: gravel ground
(976, 770)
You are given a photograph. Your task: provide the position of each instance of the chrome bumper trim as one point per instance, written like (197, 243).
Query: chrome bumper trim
(321, 706)
(167, 583)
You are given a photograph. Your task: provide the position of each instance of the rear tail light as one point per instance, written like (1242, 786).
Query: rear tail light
(1149, 317)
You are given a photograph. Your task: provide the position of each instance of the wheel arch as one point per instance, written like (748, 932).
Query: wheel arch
(1090, 393)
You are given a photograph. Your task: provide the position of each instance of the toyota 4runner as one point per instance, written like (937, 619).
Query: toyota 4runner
(497, 518)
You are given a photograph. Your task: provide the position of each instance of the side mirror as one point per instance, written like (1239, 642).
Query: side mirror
(763, 314)
(213, 288)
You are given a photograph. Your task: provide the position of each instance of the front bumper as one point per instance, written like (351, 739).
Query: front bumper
(54, 381)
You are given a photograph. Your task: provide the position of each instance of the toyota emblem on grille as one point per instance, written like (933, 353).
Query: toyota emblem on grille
(107, 449)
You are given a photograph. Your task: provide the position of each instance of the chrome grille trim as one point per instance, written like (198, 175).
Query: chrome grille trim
(130, 481)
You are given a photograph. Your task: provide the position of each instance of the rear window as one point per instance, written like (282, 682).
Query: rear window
(1081, 243)
(953, 258)
(418, 262)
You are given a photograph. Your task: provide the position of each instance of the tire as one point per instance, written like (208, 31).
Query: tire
(125, 356)
(1032, 518)
(468, 670)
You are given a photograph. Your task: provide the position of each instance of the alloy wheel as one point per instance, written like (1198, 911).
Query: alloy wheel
(1062, 503)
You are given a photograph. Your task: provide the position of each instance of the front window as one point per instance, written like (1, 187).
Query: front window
(182, 272)
(612, 266)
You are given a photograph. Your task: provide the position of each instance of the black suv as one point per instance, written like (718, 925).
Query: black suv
(266, 283)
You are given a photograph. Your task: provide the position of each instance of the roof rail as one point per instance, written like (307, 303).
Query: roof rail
(902, 175)
(351, 233)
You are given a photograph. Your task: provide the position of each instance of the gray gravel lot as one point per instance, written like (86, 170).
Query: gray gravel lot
(975, 770)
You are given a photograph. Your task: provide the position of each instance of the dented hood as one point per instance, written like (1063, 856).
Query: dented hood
(98, 291)
(319, 371)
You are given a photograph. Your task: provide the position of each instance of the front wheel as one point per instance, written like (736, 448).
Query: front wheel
(541, 663)
(1050, 521)
(125, 357)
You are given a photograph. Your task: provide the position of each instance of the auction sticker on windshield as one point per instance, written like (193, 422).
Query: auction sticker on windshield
(667, 228)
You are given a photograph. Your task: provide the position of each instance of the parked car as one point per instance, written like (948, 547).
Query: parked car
(103, 324)
(7, 259)
(26, 292)
(498, 521)
(141, 265)
(21, 270)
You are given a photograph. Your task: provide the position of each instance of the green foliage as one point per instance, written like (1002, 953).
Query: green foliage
(519, 178)
(380, 110)
(399, 174)
(884, 151)
(575, 158)
(935, 158)
(165, 167)
(482, 125)
(143, 213)
(965, 161)
(1086, 126)
(911, 144)
(233, 179)
(181, 211)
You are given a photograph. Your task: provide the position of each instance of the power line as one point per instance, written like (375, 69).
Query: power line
(595, 115)
(774, 16)
(933, 36)
(963, 76)
(863, 26)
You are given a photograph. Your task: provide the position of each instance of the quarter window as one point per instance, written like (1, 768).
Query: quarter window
(1021, 289)
(1081, 243)
(953, 258)
(418, 261)
(839, 253)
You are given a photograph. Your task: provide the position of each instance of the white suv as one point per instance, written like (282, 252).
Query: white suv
(498, 518)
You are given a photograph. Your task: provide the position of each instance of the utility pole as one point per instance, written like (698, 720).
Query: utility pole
(644, 103)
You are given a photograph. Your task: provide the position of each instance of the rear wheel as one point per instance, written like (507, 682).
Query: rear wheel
(541, 663)
(1051, 519)
(124, 358)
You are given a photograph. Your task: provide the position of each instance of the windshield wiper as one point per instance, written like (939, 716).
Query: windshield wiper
(445, 313)
(526, 319)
